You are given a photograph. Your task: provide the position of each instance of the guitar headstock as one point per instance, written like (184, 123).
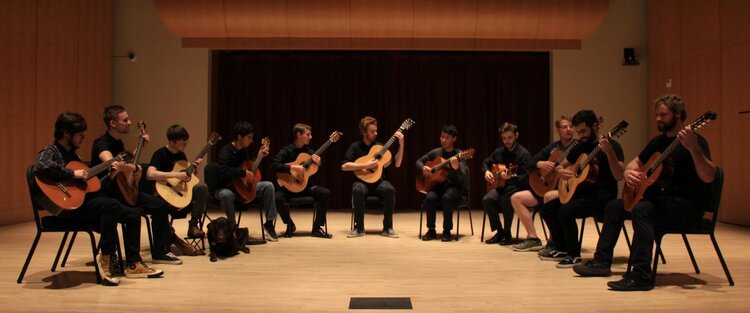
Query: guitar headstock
(466, 154)
(618, 130)
(703, 120)
(214, 138)
(142, 127)
(335, 136)
(408, 123)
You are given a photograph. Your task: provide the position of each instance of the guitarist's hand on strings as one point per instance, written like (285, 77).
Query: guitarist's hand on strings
(633, 177)
(183, 176)
(80, 174)
(249, 175)
(426, 171)
(372, 164)
(316, 159)
(563, 173)
(488, 176)
(546, 166)
(296, 169)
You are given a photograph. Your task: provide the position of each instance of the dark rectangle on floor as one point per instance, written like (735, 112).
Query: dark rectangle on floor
(374, 303)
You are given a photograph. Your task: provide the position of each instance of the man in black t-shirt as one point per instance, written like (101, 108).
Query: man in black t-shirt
(445, 195)
(511, 154)
(368, 128)
(288, 154)
(589, 198)
(118, 122)
(675, 198)
(160, 169)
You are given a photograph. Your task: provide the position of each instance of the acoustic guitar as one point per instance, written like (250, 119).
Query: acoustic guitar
(179, 193)
(542, 181)
(381, 154)
(128, 182)
(298, 182)
(245, 187)
(652, 169)
(581, 168)
(438, 171)
(499, 182)
(70, 194)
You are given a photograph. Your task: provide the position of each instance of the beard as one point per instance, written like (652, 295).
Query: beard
(665, 127)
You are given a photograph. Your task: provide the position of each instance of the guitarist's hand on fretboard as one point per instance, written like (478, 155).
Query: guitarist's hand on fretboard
(688, 139)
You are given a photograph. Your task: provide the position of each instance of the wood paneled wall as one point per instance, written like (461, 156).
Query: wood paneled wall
(702, 48)
(55, 55)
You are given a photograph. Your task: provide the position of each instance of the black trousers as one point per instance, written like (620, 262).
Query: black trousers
(445, 197)
(382, 189)
(159, 210)
(322, 198)
(492, 202)
(647, 216)
(106, 212)
(561, 220)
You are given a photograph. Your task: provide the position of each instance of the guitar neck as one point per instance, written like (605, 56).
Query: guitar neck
(591, 156)
(566, 152)
(96, 170)
(191, 169)
(138, 150)
(318, 152)
(675, 143)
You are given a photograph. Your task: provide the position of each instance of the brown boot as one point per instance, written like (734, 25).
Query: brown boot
(185, 247)
(195, 232)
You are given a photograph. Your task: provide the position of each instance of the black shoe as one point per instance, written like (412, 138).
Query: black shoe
(429, 235)
(630, 283)
(320, 233)
(446, 236)
(593, 268)
(270, 231)
(290, 229)
(494, 240)
(507, 240)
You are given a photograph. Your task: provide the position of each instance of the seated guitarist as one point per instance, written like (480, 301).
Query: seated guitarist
(447, 194)
(675, 198)
(590, 198)
(161, 166)
(368, 128)
(302, 137)
(97, 208)
(523, 200)
(105, 148)
(230, 160)
(511, 153)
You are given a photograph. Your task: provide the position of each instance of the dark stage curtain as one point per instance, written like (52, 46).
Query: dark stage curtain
(476, 91)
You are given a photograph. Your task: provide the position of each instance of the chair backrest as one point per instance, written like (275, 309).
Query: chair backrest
(714, 195)
(33, 195)
(211, 176)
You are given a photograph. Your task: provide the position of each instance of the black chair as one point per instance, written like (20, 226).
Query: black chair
(703, 227)
(211, 176)
(304, 202)
(55, 224)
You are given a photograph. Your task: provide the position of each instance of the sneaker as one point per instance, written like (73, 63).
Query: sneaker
(105, 269)
(195, 232)
(528, 244)
(166, 258)
(141, 270)
(495, 239)
(446, 236)
(569, 262)
(185, 248)
(429, 235)
(546, 250)
(270, 231)
(320, 233)
(389, 233)
(507, 239)
(554, 256)
(356, 233)
(290, 229)
(630, 283)
(593, 268)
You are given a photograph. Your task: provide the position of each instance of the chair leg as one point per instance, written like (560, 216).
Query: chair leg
(262, 229)
(28, 258)
(518, 226)
(59, 250)
(544, 228)
(656, 260)
(583, 226)
(721, 259)
(471, 221)
(598, 230)
(67, 252)
(458, 222)
(148, 231)
(95, 250)
(690, 253)
(484, 223)
(421, 212)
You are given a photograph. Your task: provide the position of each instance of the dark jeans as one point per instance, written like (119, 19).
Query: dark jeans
(445, 197)
(106, 212)
(492, 202)
(561, 221)
(647, 215)
(384, 190)
(321, 195)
